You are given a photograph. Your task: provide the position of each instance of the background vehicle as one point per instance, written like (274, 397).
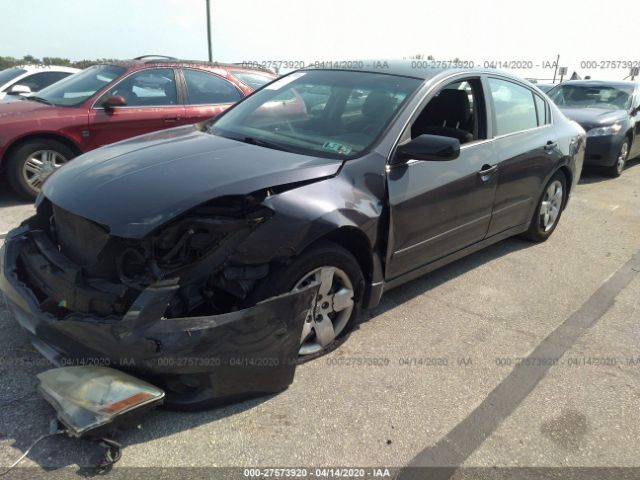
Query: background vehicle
(545, 87)
(217, 217)
(610, 113)
(28, 79)
(110, 102)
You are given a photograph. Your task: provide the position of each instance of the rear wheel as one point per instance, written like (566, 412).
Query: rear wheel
(549, 209)
(621, 161)
(334, 310)
(29, 165)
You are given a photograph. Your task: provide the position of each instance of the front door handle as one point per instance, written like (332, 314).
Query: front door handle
(550, 145)
(171, 119)
(486, 171)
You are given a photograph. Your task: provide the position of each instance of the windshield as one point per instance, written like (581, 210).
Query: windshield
(77, 88)
(587, 96)
(334, 114)
(9, 74)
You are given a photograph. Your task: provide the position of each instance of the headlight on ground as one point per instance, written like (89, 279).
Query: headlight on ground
(86, 398)
(602, 131)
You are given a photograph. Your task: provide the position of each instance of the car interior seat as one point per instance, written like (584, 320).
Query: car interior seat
(376, 111)
(448, 115)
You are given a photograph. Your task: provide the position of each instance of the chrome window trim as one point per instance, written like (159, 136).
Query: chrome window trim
(462, 147)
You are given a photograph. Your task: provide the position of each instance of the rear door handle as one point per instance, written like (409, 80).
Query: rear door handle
(486, 171)
(171, 119)
(550, 145)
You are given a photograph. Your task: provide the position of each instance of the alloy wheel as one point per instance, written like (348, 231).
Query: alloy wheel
(622, 157)
(551, 205)
(39, 165)
(330, 310)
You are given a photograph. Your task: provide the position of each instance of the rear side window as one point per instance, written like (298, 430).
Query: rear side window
(254, 80)
(541, 110)
(206, 88)
(514, 107)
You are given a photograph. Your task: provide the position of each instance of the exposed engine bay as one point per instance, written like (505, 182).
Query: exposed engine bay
(103, 274)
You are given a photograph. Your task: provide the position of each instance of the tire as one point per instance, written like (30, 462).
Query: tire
(617, 168)
(284, 278)
(539, 230)
(48, 153)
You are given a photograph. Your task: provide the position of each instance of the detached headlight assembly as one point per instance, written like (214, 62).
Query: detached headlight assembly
(602, 131)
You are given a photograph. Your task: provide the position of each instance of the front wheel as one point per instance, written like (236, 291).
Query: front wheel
(621, 161)
(334, 310)
(29, 165)
(549, 209)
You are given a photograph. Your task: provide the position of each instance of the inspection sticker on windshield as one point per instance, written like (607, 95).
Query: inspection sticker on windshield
(337, 148)
(284, 81)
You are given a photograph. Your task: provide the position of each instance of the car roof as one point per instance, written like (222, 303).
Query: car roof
(601, 83)
(56, 68)
(419, 69)
(162, 61)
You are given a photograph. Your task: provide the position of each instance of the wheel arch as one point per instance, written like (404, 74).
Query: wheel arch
(18, 142)
(356, 242)
(629, 136)
(568, 176)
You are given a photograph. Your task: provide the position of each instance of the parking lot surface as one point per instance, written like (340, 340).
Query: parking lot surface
(521, 355)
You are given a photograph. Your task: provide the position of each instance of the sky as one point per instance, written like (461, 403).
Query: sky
(532, 33)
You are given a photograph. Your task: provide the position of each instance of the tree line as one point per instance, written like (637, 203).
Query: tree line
(8, 62)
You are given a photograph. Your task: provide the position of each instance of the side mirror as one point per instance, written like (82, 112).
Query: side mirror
(429, 148)
(114, 101)
(19, 90)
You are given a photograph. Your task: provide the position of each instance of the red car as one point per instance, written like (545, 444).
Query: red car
(111, 102)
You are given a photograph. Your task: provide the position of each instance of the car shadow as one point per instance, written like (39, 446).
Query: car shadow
(595, 175)
(8, 198)
(65, 452)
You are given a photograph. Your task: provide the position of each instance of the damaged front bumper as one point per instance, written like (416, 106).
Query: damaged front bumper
(198, 361)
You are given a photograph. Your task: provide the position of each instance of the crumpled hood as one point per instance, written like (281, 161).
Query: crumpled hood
(135, 186)
(594, 117)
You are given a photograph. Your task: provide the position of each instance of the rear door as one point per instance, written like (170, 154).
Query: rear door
(440, 207)
(207, 95)
(152, 103)
(525, 142)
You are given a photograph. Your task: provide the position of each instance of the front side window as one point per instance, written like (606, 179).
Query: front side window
(78, 88)
(38, 81)
(456, 111)
(605, 97)
(154, 87)
(206, 88)
(513, 105)
(333, 114)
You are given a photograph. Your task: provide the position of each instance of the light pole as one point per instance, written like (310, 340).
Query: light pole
(209, 31)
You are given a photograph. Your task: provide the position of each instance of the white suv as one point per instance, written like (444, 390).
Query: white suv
(26, 79)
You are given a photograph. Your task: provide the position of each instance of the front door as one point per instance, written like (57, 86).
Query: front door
(152, 104)
(440, 207)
